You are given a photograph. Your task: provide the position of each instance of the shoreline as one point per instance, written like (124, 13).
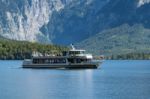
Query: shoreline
(104, 59)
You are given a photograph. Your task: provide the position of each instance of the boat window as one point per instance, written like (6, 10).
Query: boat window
(76, 52)
(49, 61)
(82, 52)
(77, 60)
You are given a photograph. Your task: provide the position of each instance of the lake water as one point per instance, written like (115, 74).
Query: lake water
(114, 80)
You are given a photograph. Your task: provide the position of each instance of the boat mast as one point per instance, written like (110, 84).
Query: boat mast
(72, 47)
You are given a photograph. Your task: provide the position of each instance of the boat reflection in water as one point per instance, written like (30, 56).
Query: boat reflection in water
(74, 58)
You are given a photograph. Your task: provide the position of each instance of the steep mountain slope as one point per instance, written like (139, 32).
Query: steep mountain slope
(22, 19)
(120, 40)
(75, 22)
(78, 21)
(32, 20)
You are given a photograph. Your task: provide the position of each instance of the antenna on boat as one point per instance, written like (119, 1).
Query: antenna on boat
(72, 47)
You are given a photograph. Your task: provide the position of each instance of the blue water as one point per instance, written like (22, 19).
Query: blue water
(114, 80)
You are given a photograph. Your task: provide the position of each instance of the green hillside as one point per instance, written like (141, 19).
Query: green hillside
(10, 49)
(121, 40)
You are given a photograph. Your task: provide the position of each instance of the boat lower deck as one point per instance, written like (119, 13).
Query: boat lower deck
(71, 66)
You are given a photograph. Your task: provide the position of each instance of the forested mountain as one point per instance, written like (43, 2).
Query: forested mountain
(120, 40)
(12, 49)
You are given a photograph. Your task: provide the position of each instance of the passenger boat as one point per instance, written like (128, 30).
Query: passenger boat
(74, 58)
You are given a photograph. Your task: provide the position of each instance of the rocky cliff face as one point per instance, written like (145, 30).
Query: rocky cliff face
(31, 19)
(22, 19)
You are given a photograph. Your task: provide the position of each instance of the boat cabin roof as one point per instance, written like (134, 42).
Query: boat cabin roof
(77, 50)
